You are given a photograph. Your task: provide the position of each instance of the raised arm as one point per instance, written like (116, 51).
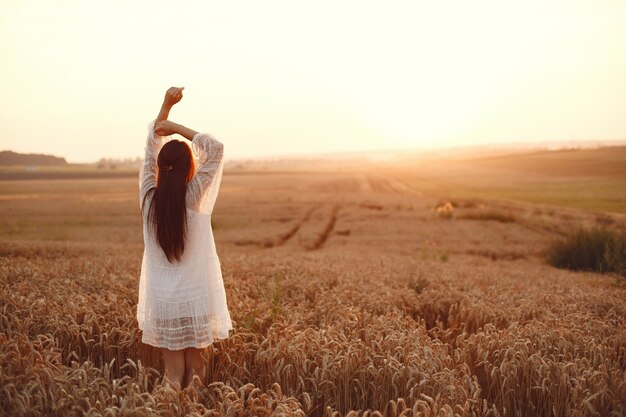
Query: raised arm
(148, 172)
(209, 150)
(172, 96)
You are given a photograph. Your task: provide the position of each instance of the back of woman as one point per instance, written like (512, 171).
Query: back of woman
(182, 302)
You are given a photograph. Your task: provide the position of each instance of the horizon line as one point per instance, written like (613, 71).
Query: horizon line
(549, 145)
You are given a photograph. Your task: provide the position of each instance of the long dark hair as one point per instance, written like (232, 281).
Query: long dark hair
(167, 214)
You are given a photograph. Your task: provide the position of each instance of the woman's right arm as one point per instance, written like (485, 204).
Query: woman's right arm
(210, 153)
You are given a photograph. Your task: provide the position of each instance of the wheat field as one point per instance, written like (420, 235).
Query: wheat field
(353, 293)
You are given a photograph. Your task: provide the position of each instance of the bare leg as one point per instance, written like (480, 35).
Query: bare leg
(194, 365)
(174, 362)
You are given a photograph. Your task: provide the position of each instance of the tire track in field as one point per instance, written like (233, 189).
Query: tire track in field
(323, 237)
(282, 239)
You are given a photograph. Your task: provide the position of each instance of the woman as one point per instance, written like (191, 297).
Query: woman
(182, 305)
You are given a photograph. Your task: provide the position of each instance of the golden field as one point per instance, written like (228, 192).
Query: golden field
(412, 288)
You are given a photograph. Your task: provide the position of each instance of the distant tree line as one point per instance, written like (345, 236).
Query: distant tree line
(14, 158)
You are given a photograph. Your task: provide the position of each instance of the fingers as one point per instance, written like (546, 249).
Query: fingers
(173, 95)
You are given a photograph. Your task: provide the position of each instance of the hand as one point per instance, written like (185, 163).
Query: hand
(165, 128)
(173, 95)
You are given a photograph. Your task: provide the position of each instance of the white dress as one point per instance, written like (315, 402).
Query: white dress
(183, 304)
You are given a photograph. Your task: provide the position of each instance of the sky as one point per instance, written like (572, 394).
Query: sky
(82, 79)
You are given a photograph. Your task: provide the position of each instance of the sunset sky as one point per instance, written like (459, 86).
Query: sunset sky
(82, 79)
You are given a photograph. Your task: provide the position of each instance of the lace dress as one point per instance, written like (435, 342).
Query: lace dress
(183, 304)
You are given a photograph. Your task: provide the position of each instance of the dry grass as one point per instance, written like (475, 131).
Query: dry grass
(360, 326)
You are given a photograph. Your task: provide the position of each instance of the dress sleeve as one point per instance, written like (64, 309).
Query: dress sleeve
(204, 186)
(148, 172)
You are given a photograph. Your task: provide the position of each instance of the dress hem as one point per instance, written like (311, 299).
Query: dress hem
(182, 346)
